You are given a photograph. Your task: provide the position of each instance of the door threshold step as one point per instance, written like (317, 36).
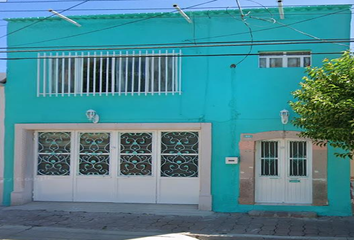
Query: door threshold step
(257, 213)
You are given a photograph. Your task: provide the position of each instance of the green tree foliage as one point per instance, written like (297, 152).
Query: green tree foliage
(325, 104)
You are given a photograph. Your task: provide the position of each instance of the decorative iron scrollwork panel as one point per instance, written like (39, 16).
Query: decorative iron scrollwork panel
(94, 154)
(54, 142)
(136, 143)
(54, 153)
(179, 143)
(136, 165)
(179, 166)
(91, 164)
(54, 165)
(98, 143)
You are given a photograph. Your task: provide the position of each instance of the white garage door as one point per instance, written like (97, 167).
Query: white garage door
(116, 166)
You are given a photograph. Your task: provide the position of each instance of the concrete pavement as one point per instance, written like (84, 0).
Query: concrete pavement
(55, 233)
(205, 226)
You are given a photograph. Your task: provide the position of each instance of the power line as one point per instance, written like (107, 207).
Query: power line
(251, 43)
(196, 44)
(211, 37)
(183, 56)
(143, 9)
(61, 1)
(179, 43)
(29, 25)
(116, 26)
(271, 28)
(272, 20)
(146, 9)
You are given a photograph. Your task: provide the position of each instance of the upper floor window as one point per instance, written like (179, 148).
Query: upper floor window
(109, 73)
(284, 59)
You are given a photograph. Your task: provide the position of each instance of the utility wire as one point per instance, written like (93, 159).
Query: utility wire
(183, 56)
(251, 44)
(61, 1)
(271, 28)
(272, 20)
(29, 25)
(64, 47)
(140, 9)
(115, 26)
(211, 37)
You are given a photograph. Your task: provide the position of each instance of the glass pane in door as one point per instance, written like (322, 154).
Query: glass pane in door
(54, 153)
(269, 158)
(94, 153)
(298, 158)
(179, 154)
(136, 154)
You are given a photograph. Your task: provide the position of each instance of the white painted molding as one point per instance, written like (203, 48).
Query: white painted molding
(23, 165)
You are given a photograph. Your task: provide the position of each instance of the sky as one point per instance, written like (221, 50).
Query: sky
(39, 8)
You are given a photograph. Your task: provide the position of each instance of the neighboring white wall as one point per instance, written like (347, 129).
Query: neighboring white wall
(2, 133)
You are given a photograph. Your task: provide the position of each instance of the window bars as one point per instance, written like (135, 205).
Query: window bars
(109, 73)
(269, 158)
(298, 158)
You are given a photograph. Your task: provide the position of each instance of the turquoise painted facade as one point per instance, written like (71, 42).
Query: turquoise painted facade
(245, 99)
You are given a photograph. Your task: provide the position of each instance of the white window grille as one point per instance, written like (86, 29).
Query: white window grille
(284, 59)
(109, 73)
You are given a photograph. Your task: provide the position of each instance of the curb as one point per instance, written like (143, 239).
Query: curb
(261, 237)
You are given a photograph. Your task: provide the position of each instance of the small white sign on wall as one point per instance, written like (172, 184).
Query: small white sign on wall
(231, 160)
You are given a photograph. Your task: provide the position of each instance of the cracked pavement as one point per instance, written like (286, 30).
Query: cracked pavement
(232, 224)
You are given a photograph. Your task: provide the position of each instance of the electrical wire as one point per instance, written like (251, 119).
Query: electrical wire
(272, 20)
(271, 28)
(40, 20)
(115, 26)
(61, 1)
(138, 9)
(181, 43)
(190, 45)
(19, 46)
(183, 56)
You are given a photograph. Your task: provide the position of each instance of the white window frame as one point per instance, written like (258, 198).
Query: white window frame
(284, 56)
(49, 84)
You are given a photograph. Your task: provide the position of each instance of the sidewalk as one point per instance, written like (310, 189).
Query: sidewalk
(222, 226)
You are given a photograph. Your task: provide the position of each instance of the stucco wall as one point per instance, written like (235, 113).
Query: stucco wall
(245, 99)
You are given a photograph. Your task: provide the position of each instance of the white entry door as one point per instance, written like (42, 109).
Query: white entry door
(284, 172)
(117, 166)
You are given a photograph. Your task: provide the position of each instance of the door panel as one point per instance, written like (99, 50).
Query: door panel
(137, 167)
(284, 175)
(129, 167)
(53, 189)
(52, 171)
(299, 181)
(178, 191)
(178, 176)
(94, 189)
(137, 189)
(270, 177)
(93, 178)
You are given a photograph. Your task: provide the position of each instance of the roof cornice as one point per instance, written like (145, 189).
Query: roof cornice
(207, 13)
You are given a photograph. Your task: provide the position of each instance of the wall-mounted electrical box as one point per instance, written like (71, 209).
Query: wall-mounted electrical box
(231, 160)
